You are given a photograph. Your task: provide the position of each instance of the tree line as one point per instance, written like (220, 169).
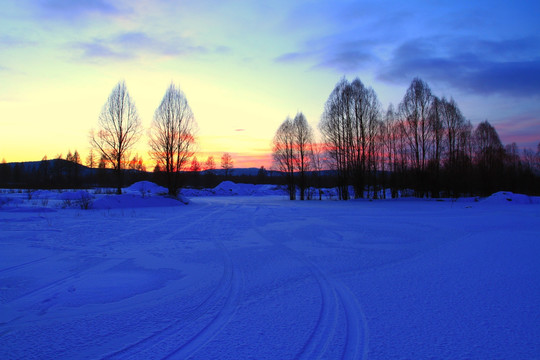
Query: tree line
(425, 144)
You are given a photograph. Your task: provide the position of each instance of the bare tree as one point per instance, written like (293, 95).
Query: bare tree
(102, 163)
(350, 126)
(488, 144)
(172, 136)
(303, 140)
(436, 127)
(414, 109)
(283, 153)
(119, 130)
(76, 158)
(227, 163)
(489, 156)
(209, 164)
(317, 161)
(335, 126)
(195, 166)
(456, 145)
(137, 163)
(91, 159)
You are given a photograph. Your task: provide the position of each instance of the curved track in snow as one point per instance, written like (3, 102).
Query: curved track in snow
(335, 297)
(221, 304)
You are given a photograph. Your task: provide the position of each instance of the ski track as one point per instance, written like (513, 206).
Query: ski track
(105, 264)
(163, 343)
(333, 295)
(219, 321)
(51, 289)
(20, 266)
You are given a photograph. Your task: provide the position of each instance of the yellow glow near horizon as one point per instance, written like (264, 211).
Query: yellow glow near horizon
(235, 112)
(59, 119)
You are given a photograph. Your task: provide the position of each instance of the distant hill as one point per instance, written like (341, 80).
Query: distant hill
(29, 166)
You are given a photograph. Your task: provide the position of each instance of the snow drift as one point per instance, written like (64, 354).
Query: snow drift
(229, 188)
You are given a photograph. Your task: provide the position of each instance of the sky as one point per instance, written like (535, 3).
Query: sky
(245, 66)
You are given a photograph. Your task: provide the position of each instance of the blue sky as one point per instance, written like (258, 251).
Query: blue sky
(245, 65)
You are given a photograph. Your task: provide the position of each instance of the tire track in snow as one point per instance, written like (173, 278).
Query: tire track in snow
(324, 331)
(227, 312)
(168, 220)
(165, 336)
(224, 316)
(164, 341)
(334, 295)
(104, 264)
(356, 346)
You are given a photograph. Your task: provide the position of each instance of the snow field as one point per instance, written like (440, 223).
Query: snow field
(262, 277)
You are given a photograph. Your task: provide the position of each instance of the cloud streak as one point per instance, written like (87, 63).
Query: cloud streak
(523, 129)
(68, 9)
(133, 45)
(343, 56)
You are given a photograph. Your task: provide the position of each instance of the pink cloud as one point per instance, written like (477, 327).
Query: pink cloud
(523, 130)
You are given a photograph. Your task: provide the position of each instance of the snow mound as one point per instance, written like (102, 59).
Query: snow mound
(229, 188)
(146, 188)
(505, 197)
(44, 194)
(125, 201)
(75, 195)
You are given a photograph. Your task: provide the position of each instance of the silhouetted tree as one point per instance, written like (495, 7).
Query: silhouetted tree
(283, 153)
(335, 127)
(119, 130)
(172, 136)
(209, 164)
(414, 109)
(227, 164)
(391, 136)
(195, 169)
(102, 163)
(436, 128)
(488, 156)
(76, 157)
(137, 163)
(350, 127)
(302, 145)
(91, 161)
(209, 174)
(261, 175)
(5, 172)
(317, 164)
(195, 166)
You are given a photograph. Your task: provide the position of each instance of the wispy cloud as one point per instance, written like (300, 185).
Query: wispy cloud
(68, 9)
(343, 56)
(132, 45)
(14, 41)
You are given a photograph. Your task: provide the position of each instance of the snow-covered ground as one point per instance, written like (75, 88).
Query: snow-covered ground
(261, 277)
